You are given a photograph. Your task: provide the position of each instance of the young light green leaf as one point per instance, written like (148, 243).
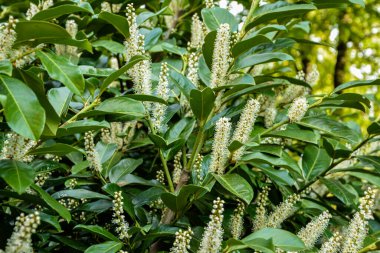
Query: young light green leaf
(18, 175)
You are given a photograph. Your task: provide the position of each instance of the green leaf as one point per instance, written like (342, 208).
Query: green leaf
(81, 126)
(35, 32)
(296, 134)
(61, 69)
(188, 193)
(208, 48)
(183, 83)
(6, 67)
(58, 149)
(344, 192)
(202, 103)
(144, 16)
(236, 185)
(245, 45)
(112, 77)
(373, 161)
(358, 83)
(98, 230)
(18, 175)
(119, 106)
(56, 12)
(374, 128)
(22, 110)
(117, 21)
(149, 98)
(281, 12)
(123, 168)
(280, 177)
(105, 247)
(330, 127)
(315, 160)
(280, 238)
(348, 100)
(214, 17)
(255, 59)
(60, 99)
(79, 194)
(173, 48)
(54, 204)
(373, 178)
(110, 45)
(264, 246)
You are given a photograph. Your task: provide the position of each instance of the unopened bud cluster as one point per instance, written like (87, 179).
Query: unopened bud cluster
(220, 151)
(160, 176)
(122, 225)
(182, 241)
(198, 167)
(213, 235)
(16, 147)
(237, 222)
(21, 239)
(92, 154)
(261, 214)
(177, 167)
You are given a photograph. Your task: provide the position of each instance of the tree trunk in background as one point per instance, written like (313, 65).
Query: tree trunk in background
(341, 57)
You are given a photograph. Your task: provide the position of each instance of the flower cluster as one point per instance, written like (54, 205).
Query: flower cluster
(221, 56)
(282, 211)
(192, 73)
(160, 176)
(213, 234)
(122, 225)
(162, 90)
(358, 227)
(91, 153)
(177, 167)
(270, 116)
(314, 229)
(297, 109)
(236, 223)
(209, 3)
(21, 239)
(261, 213)
(198, 33)
(182, 241)
(16, 147)
(244, 126)
(140, 72)
(34, 9)
(198, 167)
(332, 245)
(220, 151)
(41, 178)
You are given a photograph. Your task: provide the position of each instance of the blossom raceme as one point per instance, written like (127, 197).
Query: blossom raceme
(357, 230)
(261, 214)
(282, 211)
(332, 245)
(158, 109)
(16, 147)
(21, 239)
(298, 109)
(182, 241)
(237, 222)
(213, 235)
(314, 229)
(220, 153)
(91, 153)
(244, 126)
(121, 224)
(221, 56)
(198, 33)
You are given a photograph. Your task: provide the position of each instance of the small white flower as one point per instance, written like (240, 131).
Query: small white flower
(182, 241)
(16, 147)
(91, 153)
(220, 151)
(236, 223)
(298, 109)
(122, 225)
(198, 32)
(261, 214)
(282, 211)
(314, 229)
(332, 245)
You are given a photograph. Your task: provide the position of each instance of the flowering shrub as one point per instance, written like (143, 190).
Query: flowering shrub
(175, 126)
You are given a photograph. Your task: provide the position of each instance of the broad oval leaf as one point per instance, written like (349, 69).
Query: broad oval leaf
(315, 161)
(123, 168)
(105, 247)
(344, 192)
(22, 110)
(237, 186)
(18, 175)
(119, 22)
(56, 12)
(214, 17)
(353, 84)
(58, 149)
(98, 230)
(255, 59)
(202, 103)
(61, 69)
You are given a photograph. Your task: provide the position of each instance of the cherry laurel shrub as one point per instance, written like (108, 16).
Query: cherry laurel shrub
(175, 126)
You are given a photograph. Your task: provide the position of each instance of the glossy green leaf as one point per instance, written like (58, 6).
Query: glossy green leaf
(353, 84)
(202, 103)
(79, 194)
(255, 59)
(296, 134)
(344, 192)
(22, 110)
(183, 83)
(280, 177)
(105, 247)
(61, 69)
(214, 17)
(280, 238)
(58, 149)
(18, 175)
(6, 67)
(35, 32)
(117, 21)
(121, 106)
(123, 168)
(281, 12)
(81, 126)
(110, 45)
(245, 45)
(54, 204)
(188, 193)
(56, 12)
(98, 230)
(374, 128)
(237, 186)
(60, 99)
(315, 161)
